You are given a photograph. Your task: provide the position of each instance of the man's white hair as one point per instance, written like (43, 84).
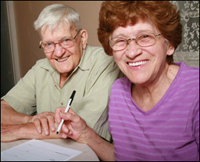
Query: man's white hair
(55, 14)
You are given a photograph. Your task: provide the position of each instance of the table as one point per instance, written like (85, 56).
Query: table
(87, 153)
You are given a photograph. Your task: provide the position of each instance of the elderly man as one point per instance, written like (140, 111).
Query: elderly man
(27, 110)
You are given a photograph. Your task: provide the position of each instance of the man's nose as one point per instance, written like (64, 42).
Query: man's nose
(59, 50)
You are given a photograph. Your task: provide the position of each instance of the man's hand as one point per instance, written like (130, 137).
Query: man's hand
(44, 121)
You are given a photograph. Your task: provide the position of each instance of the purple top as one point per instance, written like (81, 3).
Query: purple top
(169, 131)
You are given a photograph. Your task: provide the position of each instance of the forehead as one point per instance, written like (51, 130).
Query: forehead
(62, 30)
(134, 29)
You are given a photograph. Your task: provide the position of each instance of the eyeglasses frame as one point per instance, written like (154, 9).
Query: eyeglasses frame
(61, 41)
(128, 41)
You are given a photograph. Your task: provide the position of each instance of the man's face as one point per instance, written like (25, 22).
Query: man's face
(64, 60)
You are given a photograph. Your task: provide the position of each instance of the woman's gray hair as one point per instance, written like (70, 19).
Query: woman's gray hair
(52, 15)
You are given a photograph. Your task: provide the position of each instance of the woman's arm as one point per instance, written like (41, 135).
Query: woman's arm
(76, 128)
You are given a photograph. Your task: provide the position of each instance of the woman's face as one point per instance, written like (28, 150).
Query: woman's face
(142, 65)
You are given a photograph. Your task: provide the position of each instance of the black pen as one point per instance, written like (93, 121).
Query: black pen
(67, 108)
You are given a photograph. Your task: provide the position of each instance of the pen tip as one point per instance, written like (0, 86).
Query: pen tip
(57, 132)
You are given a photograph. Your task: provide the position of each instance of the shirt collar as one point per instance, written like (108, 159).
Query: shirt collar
(85, 62)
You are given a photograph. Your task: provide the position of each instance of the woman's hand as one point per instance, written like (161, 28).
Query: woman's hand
(76, 128)
(73, 126)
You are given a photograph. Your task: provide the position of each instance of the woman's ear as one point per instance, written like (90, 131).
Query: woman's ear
(171, 49)
(84, 38)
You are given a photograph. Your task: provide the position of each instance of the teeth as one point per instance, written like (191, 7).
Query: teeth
(62, 59)
(137, 63)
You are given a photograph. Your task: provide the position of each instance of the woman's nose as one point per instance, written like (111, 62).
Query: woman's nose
(133, 49)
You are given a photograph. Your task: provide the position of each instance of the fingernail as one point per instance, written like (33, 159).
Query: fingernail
(65, 129)
(52, 128)
(39, 131)
(46, 132)
(64, 136)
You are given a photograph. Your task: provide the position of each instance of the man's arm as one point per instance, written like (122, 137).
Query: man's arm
(13, 132)
(10, 116)
(16, 125)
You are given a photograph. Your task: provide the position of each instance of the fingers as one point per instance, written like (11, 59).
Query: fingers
(37, 125)
(45, 125)
(70, 115)
(51, 121)
(63, 135)
(73, 121)
(65, 132)
(72, 112)
(73, 126)
(57, 114)
(44, 122)
(41, 124)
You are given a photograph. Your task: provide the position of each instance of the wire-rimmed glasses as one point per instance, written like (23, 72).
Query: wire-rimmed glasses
(143, 40)
(65, 43)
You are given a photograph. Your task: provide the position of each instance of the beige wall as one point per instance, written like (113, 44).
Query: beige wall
(26, 12)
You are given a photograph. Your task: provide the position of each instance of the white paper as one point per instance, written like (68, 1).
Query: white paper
(37, 150)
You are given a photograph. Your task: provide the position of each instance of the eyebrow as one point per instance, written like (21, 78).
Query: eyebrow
(58, 40)
(138, 32)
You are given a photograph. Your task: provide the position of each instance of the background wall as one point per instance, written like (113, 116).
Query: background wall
(188, 50)
(26, 12)
(7, 80)
(19, 40)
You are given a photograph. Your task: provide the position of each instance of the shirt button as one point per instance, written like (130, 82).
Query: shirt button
(61, 103)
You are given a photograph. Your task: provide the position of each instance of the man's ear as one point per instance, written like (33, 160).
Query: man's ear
(84, 38)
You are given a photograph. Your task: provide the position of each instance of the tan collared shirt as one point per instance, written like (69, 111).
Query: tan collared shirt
(39, 90)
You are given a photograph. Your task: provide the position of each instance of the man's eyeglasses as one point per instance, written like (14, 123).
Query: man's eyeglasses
(143, 40)
(65, 43)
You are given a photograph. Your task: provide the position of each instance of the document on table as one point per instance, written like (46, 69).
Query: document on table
(37, 150)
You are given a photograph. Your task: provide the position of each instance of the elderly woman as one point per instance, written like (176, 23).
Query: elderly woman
(154, 109)
(27, 110)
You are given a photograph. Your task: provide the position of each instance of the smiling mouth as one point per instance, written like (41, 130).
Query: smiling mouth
(134, 64)
(60, 60)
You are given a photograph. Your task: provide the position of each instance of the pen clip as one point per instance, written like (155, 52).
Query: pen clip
(72, 97)
(73, 93)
